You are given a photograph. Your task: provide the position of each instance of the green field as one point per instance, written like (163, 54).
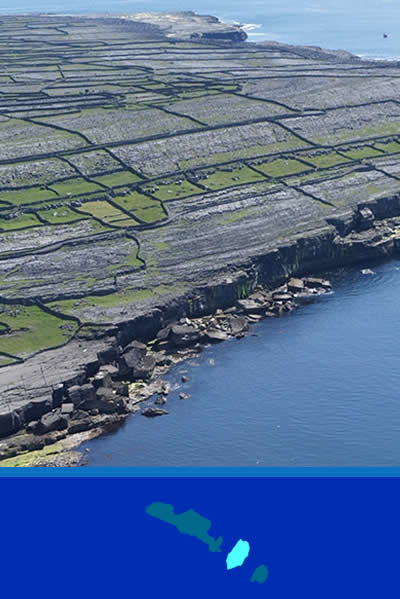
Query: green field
(60, 215)
(73, 187)
(141, 206)
(389, 147)
(117, 179)
(168, 191)
(282, 167)
(360, 153)
(105, 212)
(27, 196)
(32, 329)
(325, 160)
(226, 176)
(22, 221)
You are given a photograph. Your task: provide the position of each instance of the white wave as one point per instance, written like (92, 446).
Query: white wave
(251, 26)
(263, 34)
(380, 58)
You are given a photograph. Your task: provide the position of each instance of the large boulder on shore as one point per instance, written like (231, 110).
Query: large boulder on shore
(109, 355)
(51, 422)
(315, 283)
(295, 285)
(184, 335)
(34, 410)
(215, 335)
(151, 411)
(250, 306)
(134, 365)
(79, 394)
(10, 422)
(238, 324)
(132, 358)
(106, 401)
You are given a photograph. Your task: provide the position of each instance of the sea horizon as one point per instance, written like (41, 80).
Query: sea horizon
(358, 28)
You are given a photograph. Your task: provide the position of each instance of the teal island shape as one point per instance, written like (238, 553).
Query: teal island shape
(189, 523)
(260, 574)
(238, 554)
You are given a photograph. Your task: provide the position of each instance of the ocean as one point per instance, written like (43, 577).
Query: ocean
(356, 26)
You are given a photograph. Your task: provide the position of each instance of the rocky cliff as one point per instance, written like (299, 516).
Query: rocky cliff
(146, 179)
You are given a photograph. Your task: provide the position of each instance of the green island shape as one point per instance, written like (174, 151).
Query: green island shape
(260, 574)
(189, 523)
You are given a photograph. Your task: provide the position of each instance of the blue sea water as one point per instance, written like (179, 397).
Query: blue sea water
(356, 26)
(318, 387)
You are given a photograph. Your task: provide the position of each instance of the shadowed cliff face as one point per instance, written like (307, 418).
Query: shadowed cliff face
(229, 36)
(144, 178)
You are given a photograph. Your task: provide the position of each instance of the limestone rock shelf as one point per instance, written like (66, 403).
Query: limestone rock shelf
(149, 174)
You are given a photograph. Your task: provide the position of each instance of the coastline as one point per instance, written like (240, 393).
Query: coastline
(86, 389)
(266, 289)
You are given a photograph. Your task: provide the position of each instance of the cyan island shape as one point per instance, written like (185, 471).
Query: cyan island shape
(189, 523)
(238, 554)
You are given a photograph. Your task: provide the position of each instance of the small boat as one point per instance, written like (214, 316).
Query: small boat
(385, 35)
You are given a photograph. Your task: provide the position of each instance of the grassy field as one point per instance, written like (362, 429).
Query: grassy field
(151, 214)
(229, 176)
(168, 191)
(361, 153)
(64, 214)
(121, 298)
(282, 167)
(389, 147)
(141, 206)
(105, 212)
(73, 187)
(27, 196)
(257, 150)
(32, 329)
(325, 160)
(22, 221)
(117, 179)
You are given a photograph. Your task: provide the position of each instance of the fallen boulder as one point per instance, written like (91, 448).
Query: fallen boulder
(51, 422)
(34, 410)
(10, 423)
(79, 394)
(57, 395)
(109, 355)
(295, 285)
(214, 335)
(106, 401)
(67, 408)
(184, 335)
(144, 369)
(249, 306)
(282, 297)
(151, 411)
(316, 283)
(134, 363)
(163, 334)
(238, 324)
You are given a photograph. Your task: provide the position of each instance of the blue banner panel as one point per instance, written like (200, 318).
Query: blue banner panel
(317, 537)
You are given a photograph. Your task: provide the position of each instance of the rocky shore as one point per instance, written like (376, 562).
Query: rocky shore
(163, 190)
(124, 376)
(129, 368)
